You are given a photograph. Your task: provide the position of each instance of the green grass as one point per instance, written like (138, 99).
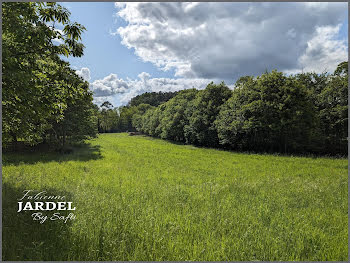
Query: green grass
(140, 198)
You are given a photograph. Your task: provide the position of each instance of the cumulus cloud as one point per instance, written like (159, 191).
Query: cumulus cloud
(324, 52)
(228, 40)
(111, 86)
(100, 100)
(84, 73)
(145, 83)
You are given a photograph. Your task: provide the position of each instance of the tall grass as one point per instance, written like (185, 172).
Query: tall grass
(140, 198)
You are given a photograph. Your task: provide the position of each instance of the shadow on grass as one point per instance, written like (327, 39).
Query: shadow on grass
(255, 152)
(82, 152)
(26, 239)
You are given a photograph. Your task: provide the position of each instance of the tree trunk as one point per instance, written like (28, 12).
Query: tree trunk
(64, 138)
(14, 141)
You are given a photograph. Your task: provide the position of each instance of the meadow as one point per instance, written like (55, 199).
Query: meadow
(141, 198)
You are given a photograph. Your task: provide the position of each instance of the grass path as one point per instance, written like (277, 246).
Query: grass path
(140, 198)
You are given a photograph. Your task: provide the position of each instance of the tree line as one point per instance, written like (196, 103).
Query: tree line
(301, 113)
(119, 119)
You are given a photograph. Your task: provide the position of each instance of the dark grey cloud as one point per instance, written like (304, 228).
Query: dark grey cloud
(228, 40)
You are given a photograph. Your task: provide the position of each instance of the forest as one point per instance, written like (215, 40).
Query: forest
(46, 103)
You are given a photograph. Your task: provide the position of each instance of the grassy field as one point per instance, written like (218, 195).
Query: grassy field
(140, 198)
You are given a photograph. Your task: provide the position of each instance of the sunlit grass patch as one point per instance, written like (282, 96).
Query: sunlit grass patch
(140, 198)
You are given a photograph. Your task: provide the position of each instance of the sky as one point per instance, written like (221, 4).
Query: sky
(132, 48)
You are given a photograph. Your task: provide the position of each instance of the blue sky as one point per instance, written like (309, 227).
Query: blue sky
(343, 33)
(141, 47)
(104, 54)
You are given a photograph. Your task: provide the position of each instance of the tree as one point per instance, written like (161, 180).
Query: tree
(333, 111)
(176, 114)
(108, 118)
(151, 121)
(107, 105)
(141, 109)
(80, 121)
(35, 91)
(328, 93)
(201, 129)
(270, 113)
(125, 121)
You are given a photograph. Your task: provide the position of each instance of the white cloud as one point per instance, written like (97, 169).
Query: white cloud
(84, 73)
(228, 40)
(119, 4)
(109, 86)
(324, 52)
(147, 84)
(112, 87)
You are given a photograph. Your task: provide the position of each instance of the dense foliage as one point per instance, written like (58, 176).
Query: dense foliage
(152, 98)
(206, 105)
(302, 113)
(271, 112)
(43, 99)
(176, 115)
